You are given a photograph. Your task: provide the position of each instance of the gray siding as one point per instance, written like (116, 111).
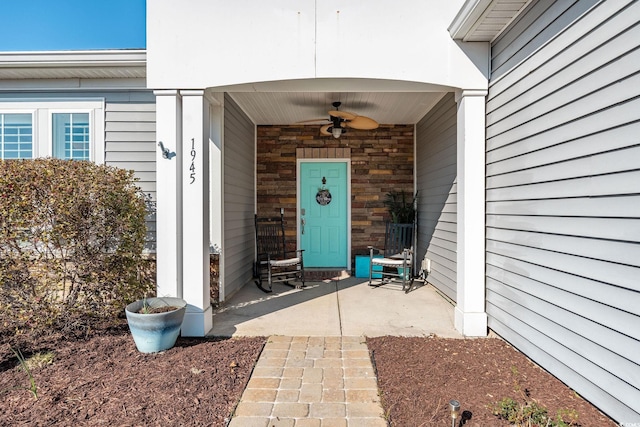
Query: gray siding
(130, 135)
(239, 197)
(563, 196)
(130, 143)
(437, 199)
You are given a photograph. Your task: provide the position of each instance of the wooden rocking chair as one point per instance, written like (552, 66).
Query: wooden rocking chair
(397, 260)
(273, 262)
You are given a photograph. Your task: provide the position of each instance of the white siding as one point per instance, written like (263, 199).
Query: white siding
(563, 196)
(437, 198)
(239, 197)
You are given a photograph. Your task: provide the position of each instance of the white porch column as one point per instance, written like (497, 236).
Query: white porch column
(470, 314)
(168, 194)
(198, 319)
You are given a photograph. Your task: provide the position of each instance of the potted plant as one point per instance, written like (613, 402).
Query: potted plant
(401, 206)
(155, 322)
(402, 209)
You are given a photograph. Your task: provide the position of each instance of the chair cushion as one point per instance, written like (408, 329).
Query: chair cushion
(389, 262)
(284, 262)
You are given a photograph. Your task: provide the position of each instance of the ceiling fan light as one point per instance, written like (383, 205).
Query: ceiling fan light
(336, 132)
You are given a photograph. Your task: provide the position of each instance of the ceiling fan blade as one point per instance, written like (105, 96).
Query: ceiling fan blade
(324, 130)
(342, 114)
(324, 120)
(362, 123)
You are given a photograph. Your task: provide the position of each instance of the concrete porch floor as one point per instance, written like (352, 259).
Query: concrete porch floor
(344, 306)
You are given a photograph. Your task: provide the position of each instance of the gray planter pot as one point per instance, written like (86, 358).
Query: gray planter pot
(157, 331)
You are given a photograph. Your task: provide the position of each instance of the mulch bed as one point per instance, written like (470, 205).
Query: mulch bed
(419, 376)
(104, 380)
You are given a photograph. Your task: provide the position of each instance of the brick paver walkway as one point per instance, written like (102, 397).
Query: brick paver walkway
(311, 382)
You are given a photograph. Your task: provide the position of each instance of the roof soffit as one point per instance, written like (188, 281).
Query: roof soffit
(107, 64)
(484, 20)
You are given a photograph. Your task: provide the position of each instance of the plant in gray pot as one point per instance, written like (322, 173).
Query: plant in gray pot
(402, 209)
(155, 322)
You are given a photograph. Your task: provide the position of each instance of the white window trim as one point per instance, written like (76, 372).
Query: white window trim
(32, 111)
(42, 111)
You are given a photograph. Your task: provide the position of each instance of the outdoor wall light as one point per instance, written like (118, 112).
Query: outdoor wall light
(454, 406)
(166, 153)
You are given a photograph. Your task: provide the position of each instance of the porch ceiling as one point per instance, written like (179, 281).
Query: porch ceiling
(286, 108)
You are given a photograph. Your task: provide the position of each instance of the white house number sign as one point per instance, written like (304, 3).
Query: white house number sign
(192, 168)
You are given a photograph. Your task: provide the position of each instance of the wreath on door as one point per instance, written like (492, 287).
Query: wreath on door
(323, 196)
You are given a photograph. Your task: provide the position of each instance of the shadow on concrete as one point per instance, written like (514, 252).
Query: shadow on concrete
(341, 306)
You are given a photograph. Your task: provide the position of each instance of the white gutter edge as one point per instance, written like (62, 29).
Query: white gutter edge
(85, 58)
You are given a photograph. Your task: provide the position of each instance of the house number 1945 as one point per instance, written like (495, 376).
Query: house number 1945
(192, 168)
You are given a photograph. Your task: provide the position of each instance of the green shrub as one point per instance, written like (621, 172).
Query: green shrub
(71, 240)
(529, 413)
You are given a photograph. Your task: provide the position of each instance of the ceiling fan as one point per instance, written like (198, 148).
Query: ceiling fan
(340, 120)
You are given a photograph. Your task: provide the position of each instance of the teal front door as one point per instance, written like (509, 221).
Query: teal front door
(323, 214)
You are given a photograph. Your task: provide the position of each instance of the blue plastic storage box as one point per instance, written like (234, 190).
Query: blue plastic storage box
(362, 266)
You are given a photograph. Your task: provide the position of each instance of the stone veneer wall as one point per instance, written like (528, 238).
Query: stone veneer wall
(381, 161)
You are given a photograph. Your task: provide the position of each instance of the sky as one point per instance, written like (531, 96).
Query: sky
(34, 25)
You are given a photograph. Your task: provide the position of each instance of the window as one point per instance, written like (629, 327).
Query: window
(71, 136)
(16, 136)
(61, 128)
